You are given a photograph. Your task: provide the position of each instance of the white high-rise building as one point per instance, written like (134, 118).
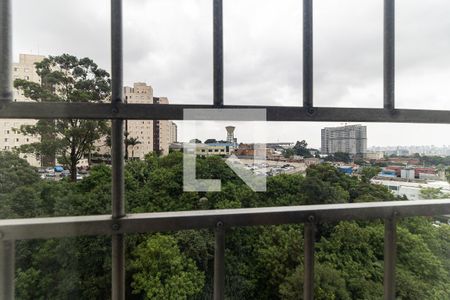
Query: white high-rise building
(348, 139)
(10, 137)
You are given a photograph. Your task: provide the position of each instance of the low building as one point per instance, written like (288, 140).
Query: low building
(430, 171)
(411, 189)
(374, 155)
(408, 173)
(215, 149)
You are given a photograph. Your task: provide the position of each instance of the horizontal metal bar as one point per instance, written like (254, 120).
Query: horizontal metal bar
(45, 110)
(20, 229)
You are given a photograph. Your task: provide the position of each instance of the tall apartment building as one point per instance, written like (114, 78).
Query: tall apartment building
(349, 139)
(173, 132)
(153, 136)
(10, 137)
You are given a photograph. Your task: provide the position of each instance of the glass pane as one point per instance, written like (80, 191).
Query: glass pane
(423, 59)
(348, 53)
(263, 52)
(168, 45)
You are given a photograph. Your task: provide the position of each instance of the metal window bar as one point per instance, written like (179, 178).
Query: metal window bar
(117, 151)
(119, 223)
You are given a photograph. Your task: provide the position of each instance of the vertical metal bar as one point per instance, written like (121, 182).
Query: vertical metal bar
(218, 52)
(7, 260)
(390, 255)
(219, 263)
(117, 151)
(308, 55)
(5, 51)
(7, 251)
(389, 54)
(308, 283)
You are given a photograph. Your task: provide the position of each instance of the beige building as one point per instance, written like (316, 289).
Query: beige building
(10, 137)
(173, 132)
(152, 135)
(217, 149)
(374, 155)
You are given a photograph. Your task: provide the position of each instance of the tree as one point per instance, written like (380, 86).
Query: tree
(433, 193)
(301, 149)
(369, 172)
(15, 172)
(210, 141)
(339, 157)
(288, 153)
(66, 78)
(163, 272)
(195, 141)
(132, 142)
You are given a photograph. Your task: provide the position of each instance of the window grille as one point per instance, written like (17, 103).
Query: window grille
(119, 223)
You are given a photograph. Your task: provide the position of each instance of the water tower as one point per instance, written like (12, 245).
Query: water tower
(230, 134)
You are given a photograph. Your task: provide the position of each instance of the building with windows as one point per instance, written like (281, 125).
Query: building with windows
(10, 136)
(411, 188)
(173, 132)
(348, 139)
(215, 149)
(149, 135)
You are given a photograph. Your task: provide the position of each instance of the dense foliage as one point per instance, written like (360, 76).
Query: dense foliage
(340, 157)
(261, 262)
(300, 148)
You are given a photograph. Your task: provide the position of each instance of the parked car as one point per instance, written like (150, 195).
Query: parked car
(49, 170)
(41, 170)
(58, 169)
(79, 177)
(65, 173)
(83, 171)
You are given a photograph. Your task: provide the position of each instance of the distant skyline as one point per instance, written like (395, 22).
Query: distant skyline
(168, 44)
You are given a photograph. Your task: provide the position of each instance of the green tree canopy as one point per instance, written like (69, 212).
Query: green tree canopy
(301, 149)
(163, 272)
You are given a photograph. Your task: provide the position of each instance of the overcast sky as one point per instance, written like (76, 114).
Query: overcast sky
(168, 44)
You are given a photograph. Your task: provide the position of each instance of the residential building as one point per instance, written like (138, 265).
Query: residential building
(10, 136)
(173, 132)
(152, 135)
(350, 139)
